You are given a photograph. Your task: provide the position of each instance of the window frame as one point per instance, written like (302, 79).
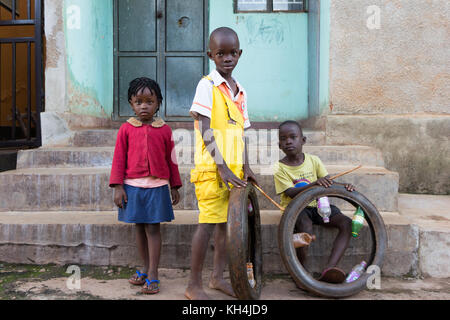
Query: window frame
(269, 8)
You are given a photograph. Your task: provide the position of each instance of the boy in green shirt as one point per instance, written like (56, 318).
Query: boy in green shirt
(293, 174)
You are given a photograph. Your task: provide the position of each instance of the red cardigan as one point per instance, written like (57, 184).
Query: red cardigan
(143, 151)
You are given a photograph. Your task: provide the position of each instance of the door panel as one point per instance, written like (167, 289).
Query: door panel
(137, 23)
(21, 73)
(184, 26)
(129, 69)
(163, 40)
(182, 76)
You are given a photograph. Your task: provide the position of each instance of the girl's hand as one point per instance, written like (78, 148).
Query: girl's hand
(120, 196)
(248, 174)
(175, 196)
(324, 182)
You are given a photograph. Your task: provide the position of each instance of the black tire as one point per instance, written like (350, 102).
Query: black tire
(288, 253)
(244, 242)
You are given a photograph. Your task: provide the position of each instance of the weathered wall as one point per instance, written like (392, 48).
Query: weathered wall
(78, 67)
(89, 47)
(416, 146)
(55, 59)
(274, 65)
(389, 86)
(402, 67)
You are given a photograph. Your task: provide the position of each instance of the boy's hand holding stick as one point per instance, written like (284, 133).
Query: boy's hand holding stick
(280, 207)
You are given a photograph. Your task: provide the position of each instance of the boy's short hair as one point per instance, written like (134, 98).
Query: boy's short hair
(287, 122)
(139, 84)
(222, 30)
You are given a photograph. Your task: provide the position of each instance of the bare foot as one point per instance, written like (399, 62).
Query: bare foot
(196, 293)
(223, 286)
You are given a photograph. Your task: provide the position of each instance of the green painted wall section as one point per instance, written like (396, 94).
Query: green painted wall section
(274, 65)
(89, 49)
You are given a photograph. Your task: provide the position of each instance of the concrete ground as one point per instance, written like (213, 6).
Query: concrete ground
(32, 282)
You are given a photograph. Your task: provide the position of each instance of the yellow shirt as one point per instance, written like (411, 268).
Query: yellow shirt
(287, 177)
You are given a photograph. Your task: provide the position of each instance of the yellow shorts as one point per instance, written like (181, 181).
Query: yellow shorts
(212, 196)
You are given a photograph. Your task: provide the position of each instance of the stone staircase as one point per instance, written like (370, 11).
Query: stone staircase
(57, 206)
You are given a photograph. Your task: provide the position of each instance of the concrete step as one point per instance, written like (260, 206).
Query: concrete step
(417, 243)
(107, 137)
(67, 157)
(41, 189)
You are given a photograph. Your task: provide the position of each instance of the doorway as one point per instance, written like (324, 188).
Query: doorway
(21, 85)
(165, 40)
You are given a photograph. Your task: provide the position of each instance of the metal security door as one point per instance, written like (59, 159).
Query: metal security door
(165, 40)
(21, 89)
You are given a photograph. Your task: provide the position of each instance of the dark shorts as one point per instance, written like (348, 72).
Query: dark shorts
(150, 206)
(314, 216)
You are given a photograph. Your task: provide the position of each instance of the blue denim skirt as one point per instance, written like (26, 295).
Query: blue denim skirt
(147, 205)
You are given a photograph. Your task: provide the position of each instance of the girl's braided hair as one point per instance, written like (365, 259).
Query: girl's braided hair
(139, 84)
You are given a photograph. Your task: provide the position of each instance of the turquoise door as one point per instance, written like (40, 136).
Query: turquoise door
(166, 41)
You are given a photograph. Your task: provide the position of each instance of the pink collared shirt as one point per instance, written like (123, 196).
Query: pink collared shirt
(147, 182)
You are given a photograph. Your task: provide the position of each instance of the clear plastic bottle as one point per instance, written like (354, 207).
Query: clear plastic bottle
(250, 276)
(302, 239)
(324, 209)
(356, 272)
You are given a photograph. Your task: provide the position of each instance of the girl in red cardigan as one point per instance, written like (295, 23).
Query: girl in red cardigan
(143, 168)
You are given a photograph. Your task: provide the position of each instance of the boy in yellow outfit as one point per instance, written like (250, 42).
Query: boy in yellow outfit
(220, 113)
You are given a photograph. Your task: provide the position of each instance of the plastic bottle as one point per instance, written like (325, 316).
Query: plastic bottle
(249, 207)
(324, 209)
(357, 221)
(302, 239)
(251, 278)
(356, 272)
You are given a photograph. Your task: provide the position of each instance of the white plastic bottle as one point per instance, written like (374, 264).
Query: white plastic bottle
(324, 209)
(251, 278)
(356, 272)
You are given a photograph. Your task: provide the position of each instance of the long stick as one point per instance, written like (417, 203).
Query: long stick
(345, 172)
(281, 208)
(267, 196)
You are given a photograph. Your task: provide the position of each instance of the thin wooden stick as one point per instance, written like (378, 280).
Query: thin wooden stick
(267, 196)
(345, 172)
(280, 207)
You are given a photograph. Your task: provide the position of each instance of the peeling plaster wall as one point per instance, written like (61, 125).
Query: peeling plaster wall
(89, 47)
(389, 87)
(274, 66)
(402, 67)
(55, 60)
(78, 67)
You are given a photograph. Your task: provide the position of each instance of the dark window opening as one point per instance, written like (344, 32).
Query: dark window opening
(265, 6)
